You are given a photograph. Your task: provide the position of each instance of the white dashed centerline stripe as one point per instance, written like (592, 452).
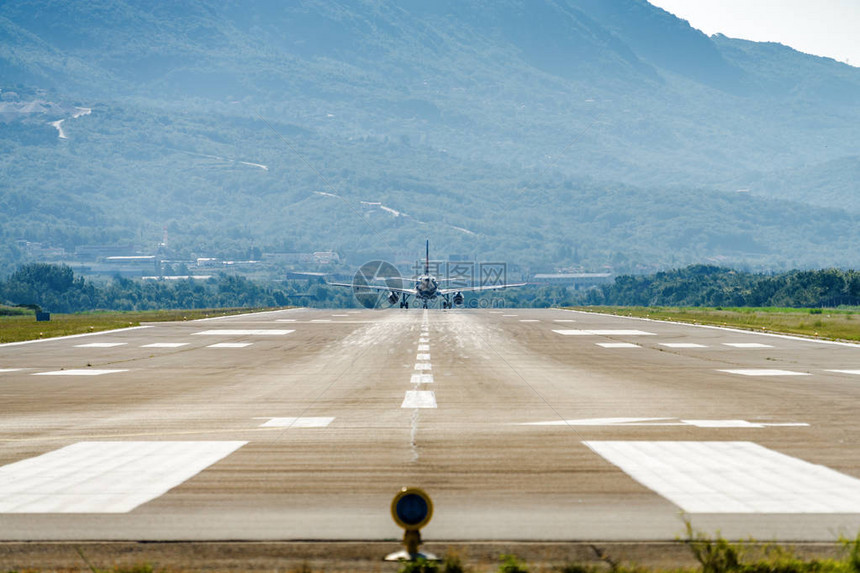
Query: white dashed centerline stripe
(231, 332)
(2, 370)
(230, 345)
(421, 379)
(856, 372)
(423, 366)
(307, 422)
(764, 372)
(104, 477)
(423, 348)
(82, 372)
(422, 357)
(419, 399)
(732, 477)
(101, 344)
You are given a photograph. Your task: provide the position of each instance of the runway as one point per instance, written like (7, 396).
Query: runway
(521, 424)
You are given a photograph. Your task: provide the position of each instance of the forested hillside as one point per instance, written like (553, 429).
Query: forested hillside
(548, 134)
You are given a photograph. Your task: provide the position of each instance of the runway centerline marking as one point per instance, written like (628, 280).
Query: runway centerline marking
(100, 344)
(856, 372)
(423, 366)
(529, 320)
(2, 370)
(422, 357)
(78, 372)
(234, 332)
(104, 477)
(682, 345)
(165, 345)
(419, 399)
(423, 348)
(302, 422)
(563, 320)
(230, 345)
(732, 477)
(604, 333)
(763, 372)
(618, 345)
(421, 379)
(747, 345)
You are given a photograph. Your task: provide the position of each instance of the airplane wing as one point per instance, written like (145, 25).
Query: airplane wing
(375, 287)
(478, 288)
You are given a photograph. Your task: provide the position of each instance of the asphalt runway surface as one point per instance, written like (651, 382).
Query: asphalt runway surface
(521, 425)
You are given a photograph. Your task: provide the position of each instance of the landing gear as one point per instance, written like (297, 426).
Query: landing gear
(404, 304)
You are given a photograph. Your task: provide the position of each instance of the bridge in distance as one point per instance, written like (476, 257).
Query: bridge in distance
(521, 424)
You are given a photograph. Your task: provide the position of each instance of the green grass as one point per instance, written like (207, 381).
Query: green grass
(20, 327)
(835, 323)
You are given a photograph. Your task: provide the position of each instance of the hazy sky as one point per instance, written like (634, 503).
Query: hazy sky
(822, 27)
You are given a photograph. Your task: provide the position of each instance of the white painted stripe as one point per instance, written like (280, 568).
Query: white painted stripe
(423, 339)
(422, 357)
(509, 315)
(724, 328)
(423, 348)
(233, 332)
(419, 399)
(285, 320)
(722, 424)
(422, 379)
(747, 345)
(265, 312)
(307, 422)
(564, 320)
(104, 477)
(165, 345)
(682, 345)
(102, 333)
(321, 320)
(733, 477)
(9, 370)
(845, 371)
(340, 315)
(618, 345)
(605, 422)
(423, 366)
(101, 344)
(528, 320)
(604, 333)
(764, 372)
(86, 372)
(230, 345)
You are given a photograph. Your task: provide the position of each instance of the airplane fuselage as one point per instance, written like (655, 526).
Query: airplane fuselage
(426, 287)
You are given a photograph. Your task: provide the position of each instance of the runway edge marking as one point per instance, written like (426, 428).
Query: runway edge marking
(726, 328)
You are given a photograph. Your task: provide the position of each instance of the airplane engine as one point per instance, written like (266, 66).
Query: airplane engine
(458, 298)
(393, 297)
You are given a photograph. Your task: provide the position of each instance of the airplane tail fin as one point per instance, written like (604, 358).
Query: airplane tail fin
(427, 259)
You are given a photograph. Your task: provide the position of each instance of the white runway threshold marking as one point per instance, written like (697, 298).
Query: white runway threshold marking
(419, 399)
(165, 345)
(319, 422)
(604, 333)
(232, 332)
(732, 477)
(421, 379)
(764, 372)
(104, 477)
(100, 345)
(87, 372)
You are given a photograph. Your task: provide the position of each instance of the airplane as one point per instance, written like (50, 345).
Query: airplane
(426, 289)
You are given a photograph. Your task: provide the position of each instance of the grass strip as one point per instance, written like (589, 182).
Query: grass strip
(22, 327)
(831, 323)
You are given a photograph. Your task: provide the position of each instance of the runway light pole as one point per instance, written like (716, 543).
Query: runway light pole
(411, 509)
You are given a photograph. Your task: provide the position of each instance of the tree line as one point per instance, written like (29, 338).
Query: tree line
(704, 285)
(56, 288)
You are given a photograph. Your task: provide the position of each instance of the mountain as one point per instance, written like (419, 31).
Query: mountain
(552, 133)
